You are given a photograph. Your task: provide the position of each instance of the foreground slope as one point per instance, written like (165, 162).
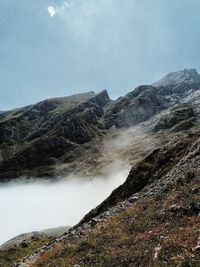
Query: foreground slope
(150, 220)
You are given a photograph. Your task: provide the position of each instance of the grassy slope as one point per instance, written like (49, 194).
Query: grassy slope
(10, 256)
(133, 237)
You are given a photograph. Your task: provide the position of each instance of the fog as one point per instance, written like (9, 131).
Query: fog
(39, 205)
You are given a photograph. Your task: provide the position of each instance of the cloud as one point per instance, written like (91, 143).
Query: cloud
(58, 9)
(72, 199)
(52, 11)
(82, 17)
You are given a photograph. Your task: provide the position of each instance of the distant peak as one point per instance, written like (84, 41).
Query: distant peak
(186, 73)
(189, 76)
(101, 98)
(191, 71)
(104, 93)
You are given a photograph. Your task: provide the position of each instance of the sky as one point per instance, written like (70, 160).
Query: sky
(52, 48)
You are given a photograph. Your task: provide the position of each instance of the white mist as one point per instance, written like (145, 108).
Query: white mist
(39, 205)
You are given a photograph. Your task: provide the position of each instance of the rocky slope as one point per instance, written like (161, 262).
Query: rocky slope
(35, 138)
(58, 136)
(150, 220)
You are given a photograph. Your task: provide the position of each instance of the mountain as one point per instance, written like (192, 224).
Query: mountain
(57, 137)
(33, 139)
(152, 219)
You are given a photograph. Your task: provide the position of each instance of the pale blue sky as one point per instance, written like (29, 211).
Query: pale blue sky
(84, 45)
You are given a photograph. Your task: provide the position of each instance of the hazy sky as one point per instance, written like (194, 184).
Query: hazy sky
(56, 47)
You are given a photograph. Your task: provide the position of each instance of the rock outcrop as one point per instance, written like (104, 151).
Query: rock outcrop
(181, 117)
(181, 81)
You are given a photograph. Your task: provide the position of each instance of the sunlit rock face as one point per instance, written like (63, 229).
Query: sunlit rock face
(180, 81)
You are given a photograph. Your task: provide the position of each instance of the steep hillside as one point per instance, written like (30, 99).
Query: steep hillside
(33, 139)
(150, 220)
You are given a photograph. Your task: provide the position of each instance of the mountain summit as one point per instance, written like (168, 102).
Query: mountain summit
(187, 78)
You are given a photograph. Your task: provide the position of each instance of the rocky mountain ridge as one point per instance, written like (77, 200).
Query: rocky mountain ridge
(49, 138)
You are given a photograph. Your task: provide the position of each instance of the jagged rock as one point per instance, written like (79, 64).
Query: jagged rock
(161, 216)
(189, 176)
(180, 118)
(196, 190)
(133, 199)
(196, 249)
(180, 81)
(174, 208)
(93, 222)
(135, 107)
(192, 208)
(25, 244)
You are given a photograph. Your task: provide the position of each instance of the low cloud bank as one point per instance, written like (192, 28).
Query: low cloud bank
(38, 205)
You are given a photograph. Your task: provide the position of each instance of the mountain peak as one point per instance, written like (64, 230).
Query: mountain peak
(101, 98)
(186, 76)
